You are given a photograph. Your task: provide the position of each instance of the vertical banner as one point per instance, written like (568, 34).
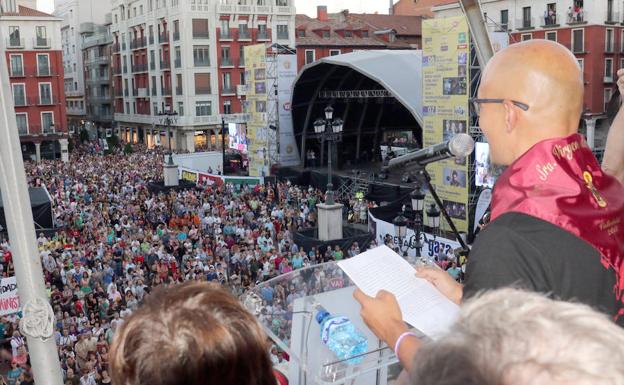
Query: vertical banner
(286, 74)
(446, 87)
(9, 300)
(256, 79)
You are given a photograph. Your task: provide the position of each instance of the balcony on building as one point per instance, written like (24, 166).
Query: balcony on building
(165, 91)
(163, 38)
(19, 101)
(550, 18)
(44, 71)
(154, 91)
(142, 92)
(138, 43)
(526, 23)
(178, 63)
(116, 48)
(126, 92)
(244, 34)
(139, 68)
(225, 34)
(165, 65)
(42, 101)
(228, 91)
(613, 17)
(226, 62)
(151, 39)
(118, 92)
(152, 65)
(201, 35)
(42, 42)
(176, 35)
(179, 91)
(125, 69)
(15, 42)
(577, 16)
(262, 35)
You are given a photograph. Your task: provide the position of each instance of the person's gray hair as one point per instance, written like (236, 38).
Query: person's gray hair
(510, 336)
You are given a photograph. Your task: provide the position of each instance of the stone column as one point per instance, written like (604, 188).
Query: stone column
(38, 151)
(189, 137)
(64, 150)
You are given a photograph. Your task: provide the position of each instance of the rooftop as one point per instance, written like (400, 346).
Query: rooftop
(26, 12)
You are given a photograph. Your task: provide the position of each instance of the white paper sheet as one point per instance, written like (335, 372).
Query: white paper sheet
(422, 305)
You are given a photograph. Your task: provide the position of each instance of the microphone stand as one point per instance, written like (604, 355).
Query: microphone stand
(422, 174)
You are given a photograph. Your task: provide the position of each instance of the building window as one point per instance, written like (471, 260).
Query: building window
(17, 65)
(22, 124)
(200, 28)
(201, 55)
(526, 17)
(227, 82)
(47, 122)
(43, 64)
(181, 108)
(262, 32)
(45, 93)
(203, 108)
(551, 35)
(202, 84)
(301, 33)
(609, 40)
(178, 84)
(224, 31)
(282, 31)
(14, 37)
(176, 30)
(526, 36)
(608, 92)
(241, 56)
(325, 34)
(608, 70)
(334, 52)
(178, 57)
(227, 107)
(226, 60)
(310, 56)
(504, 20)
(550, 15)
(365, 33)
(42, 37)
(578, 40)
(581, 63)
(19, 95)
(242, 77)
(243, 31)
(348, 33)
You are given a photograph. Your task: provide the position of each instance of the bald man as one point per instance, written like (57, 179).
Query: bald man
(556, 220)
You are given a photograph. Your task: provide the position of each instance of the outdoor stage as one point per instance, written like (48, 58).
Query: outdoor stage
(362, 177)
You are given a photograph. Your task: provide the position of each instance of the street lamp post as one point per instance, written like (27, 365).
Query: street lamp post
(412, 219)
(223, 146)
(170, 170)
(329, 130)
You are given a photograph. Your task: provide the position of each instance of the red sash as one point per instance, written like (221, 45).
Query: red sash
(561, 182)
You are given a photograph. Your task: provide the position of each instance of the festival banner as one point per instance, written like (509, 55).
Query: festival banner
(446, 87)
(286, 74)
(256, 100)
(9, 300)
(202, 178)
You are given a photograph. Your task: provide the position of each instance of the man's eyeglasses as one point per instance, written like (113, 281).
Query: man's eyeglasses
(476, 104)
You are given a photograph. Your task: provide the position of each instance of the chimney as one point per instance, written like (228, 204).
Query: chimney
(321, 13)
(9, 6)
(391, 9)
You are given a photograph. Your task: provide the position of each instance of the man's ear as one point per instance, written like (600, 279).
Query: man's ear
(511, 116)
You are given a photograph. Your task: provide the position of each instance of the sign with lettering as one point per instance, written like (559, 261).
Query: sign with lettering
(9, 301)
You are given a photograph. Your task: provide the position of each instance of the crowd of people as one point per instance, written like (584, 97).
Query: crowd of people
(121, 238)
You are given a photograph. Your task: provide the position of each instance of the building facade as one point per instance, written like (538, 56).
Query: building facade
(96, 56)
(186, 57)
(81, 18)
(335, 34)
(592, 30)
(34, 59)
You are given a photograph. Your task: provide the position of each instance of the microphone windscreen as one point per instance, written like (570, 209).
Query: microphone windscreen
(461, 145)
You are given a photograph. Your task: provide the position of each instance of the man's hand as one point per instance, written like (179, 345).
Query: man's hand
(382, 315)
(443, 282)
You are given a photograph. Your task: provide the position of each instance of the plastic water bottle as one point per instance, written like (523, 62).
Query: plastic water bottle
(341, 337)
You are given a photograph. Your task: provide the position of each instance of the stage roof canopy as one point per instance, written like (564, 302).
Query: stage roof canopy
(372, 91)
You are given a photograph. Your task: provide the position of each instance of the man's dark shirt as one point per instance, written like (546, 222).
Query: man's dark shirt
(527, 252)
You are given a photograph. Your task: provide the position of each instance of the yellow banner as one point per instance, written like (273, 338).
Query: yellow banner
(256, 99)
(446, 87)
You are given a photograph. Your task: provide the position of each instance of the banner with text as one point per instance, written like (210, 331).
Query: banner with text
(286, 74)
(9, 300)
(446, 87)
(256, 99)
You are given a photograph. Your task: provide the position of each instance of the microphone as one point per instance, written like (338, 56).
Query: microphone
(460, 145)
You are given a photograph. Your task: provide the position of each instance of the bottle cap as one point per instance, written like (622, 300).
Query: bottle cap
(321, 315)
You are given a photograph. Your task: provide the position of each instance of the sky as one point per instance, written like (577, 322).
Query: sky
(303, 6)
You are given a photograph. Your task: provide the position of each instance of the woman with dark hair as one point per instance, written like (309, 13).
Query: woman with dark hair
(195, 333)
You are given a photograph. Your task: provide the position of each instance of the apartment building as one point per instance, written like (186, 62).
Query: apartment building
(81, 19)
(592, 30)
(33, 53)
(344, 32)
(96, 56)
(186, 57)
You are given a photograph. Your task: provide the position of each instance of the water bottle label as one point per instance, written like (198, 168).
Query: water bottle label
(330, 324)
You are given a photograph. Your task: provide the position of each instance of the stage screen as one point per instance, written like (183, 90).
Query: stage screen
(238, 137)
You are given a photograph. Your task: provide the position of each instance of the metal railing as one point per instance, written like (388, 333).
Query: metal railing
(151, 39)
(201, 35)
(226, 62)
(225, 34)
(163, 37)
(13, 42)
(228, 90)
(42, 101)
(154, 91)
(165, 65)
(116, 47)
(138, 43)
(42, 42)
(178, 63)
(201, 63)
(202, 90)
(577, 18)
(44, 71)
(139, 68)
(17, 73)
(152, 65)
(244, 35)
(178, 90)
(262, 36)
(176, 35)
(165, 91)
(19, 102)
